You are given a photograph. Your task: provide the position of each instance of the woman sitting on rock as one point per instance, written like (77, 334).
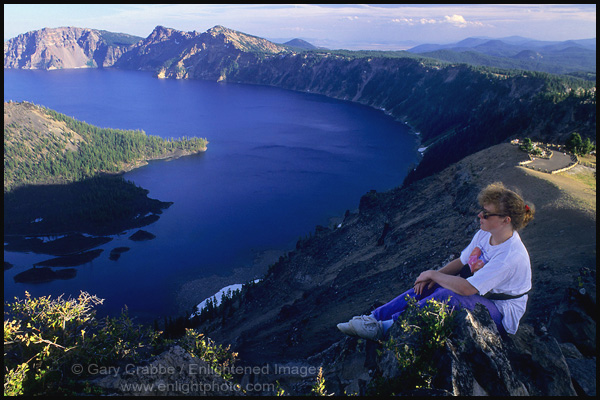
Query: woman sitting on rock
(497, 273)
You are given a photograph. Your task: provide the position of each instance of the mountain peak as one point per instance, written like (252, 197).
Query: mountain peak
(245, 42)
(300, 43)
(160, 29)
(218, 28)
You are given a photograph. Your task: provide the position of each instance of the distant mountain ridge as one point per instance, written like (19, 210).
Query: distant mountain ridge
(71, 47)
(300, 44)
(566, 57)
(519, 43)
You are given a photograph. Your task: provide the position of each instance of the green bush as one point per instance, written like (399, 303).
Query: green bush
(48, 342)
(527, 145)
(423, 335)
(40, 336)
(220, 358)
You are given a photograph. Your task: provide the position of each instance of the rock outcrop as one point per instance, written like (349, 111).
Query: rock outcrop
(172, 373)
(66, 47)
(476, 360)
(192, 55)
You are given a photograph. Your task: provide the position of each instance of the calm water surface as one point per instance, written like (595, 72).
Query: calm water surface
(278, 163)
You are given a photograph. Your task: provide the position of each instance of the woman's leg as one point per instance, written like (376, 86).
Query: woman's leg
(392, 309)
(468, 302)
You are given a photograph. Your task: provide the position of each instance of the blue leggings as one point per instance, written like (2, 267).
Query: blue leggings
(394, 308)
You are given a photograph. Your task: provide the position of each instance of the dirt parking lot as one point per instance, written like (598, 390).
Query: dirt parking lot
(557, 161)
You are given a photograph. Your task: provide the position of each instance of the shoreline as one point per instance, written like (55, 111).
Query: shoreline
(143, 162)
(191, 293)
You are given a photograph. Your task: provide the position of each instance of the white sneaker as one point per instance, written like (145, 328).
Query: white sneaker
(364, 326)
(346, 329)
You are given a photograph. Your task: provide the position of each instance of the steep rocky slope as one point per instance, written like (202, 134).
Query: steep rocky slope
(192, 55)
(377, 253)
(66, 47)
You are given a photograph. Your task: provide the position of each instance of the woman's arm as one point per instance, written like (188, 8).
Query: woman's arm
(452, 268)
(457, 284)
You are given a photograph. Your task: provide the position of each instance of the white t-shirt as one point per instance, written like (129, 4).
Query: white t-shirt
(507, 269)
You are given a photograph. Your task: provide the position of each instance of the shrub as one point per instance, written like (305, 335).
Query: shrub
(40, 335)
(48, 343)
(220, 358)
(318, 388)
(423, 334)
(527, 145)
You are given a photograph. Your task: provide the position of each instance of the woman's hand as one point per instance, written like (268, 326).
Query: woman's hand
(423, 281)
(420, 287)
(424, 276)
(457, 284)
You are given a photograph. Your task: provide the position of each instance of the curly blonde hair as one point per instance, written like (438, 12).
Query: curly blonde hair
(508, 202)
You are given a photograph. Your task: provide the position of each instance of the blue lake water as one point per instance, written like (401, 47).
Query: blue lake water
(278, 164)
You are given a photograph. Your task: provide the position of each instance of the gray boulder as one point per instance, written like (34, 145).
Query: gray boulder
(476, 360)
(172, 373)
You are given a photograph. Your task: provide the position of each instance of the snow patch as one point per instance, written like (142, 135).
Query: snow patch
(218, 297)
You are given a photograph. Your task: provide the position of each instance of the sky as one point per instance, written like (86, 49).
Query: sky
(336, 26)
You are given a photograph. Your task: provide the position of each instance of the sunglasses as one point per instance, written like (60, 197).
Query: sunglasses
(486, 214)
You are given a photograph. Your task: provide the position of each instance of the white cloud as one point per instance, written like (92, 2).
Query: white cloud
(457, 20)
(425, 21)
(403, 20)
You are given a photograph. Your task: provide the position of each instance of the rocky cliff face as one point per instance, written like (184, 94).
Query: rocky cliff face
(378, 251)
(63, 48)
(475, 361)
(191, 55)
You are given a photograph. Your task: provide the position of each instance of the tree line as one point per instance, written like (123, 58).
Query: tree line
(579, 146)
(101, 150)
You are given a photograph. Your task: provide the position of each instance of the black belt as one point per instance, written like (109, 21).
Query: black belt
(465, 272)
(503, 296)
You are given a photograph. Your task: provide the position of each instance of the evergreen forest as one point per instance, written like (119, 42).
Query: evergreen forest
(38, 156)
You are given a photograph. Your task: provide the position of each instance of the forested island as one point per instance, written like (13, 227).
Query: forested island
(62, 177)
(42, 146)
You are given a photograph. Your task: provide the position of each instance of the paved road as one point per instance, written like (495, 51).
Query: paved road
(557, 161)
